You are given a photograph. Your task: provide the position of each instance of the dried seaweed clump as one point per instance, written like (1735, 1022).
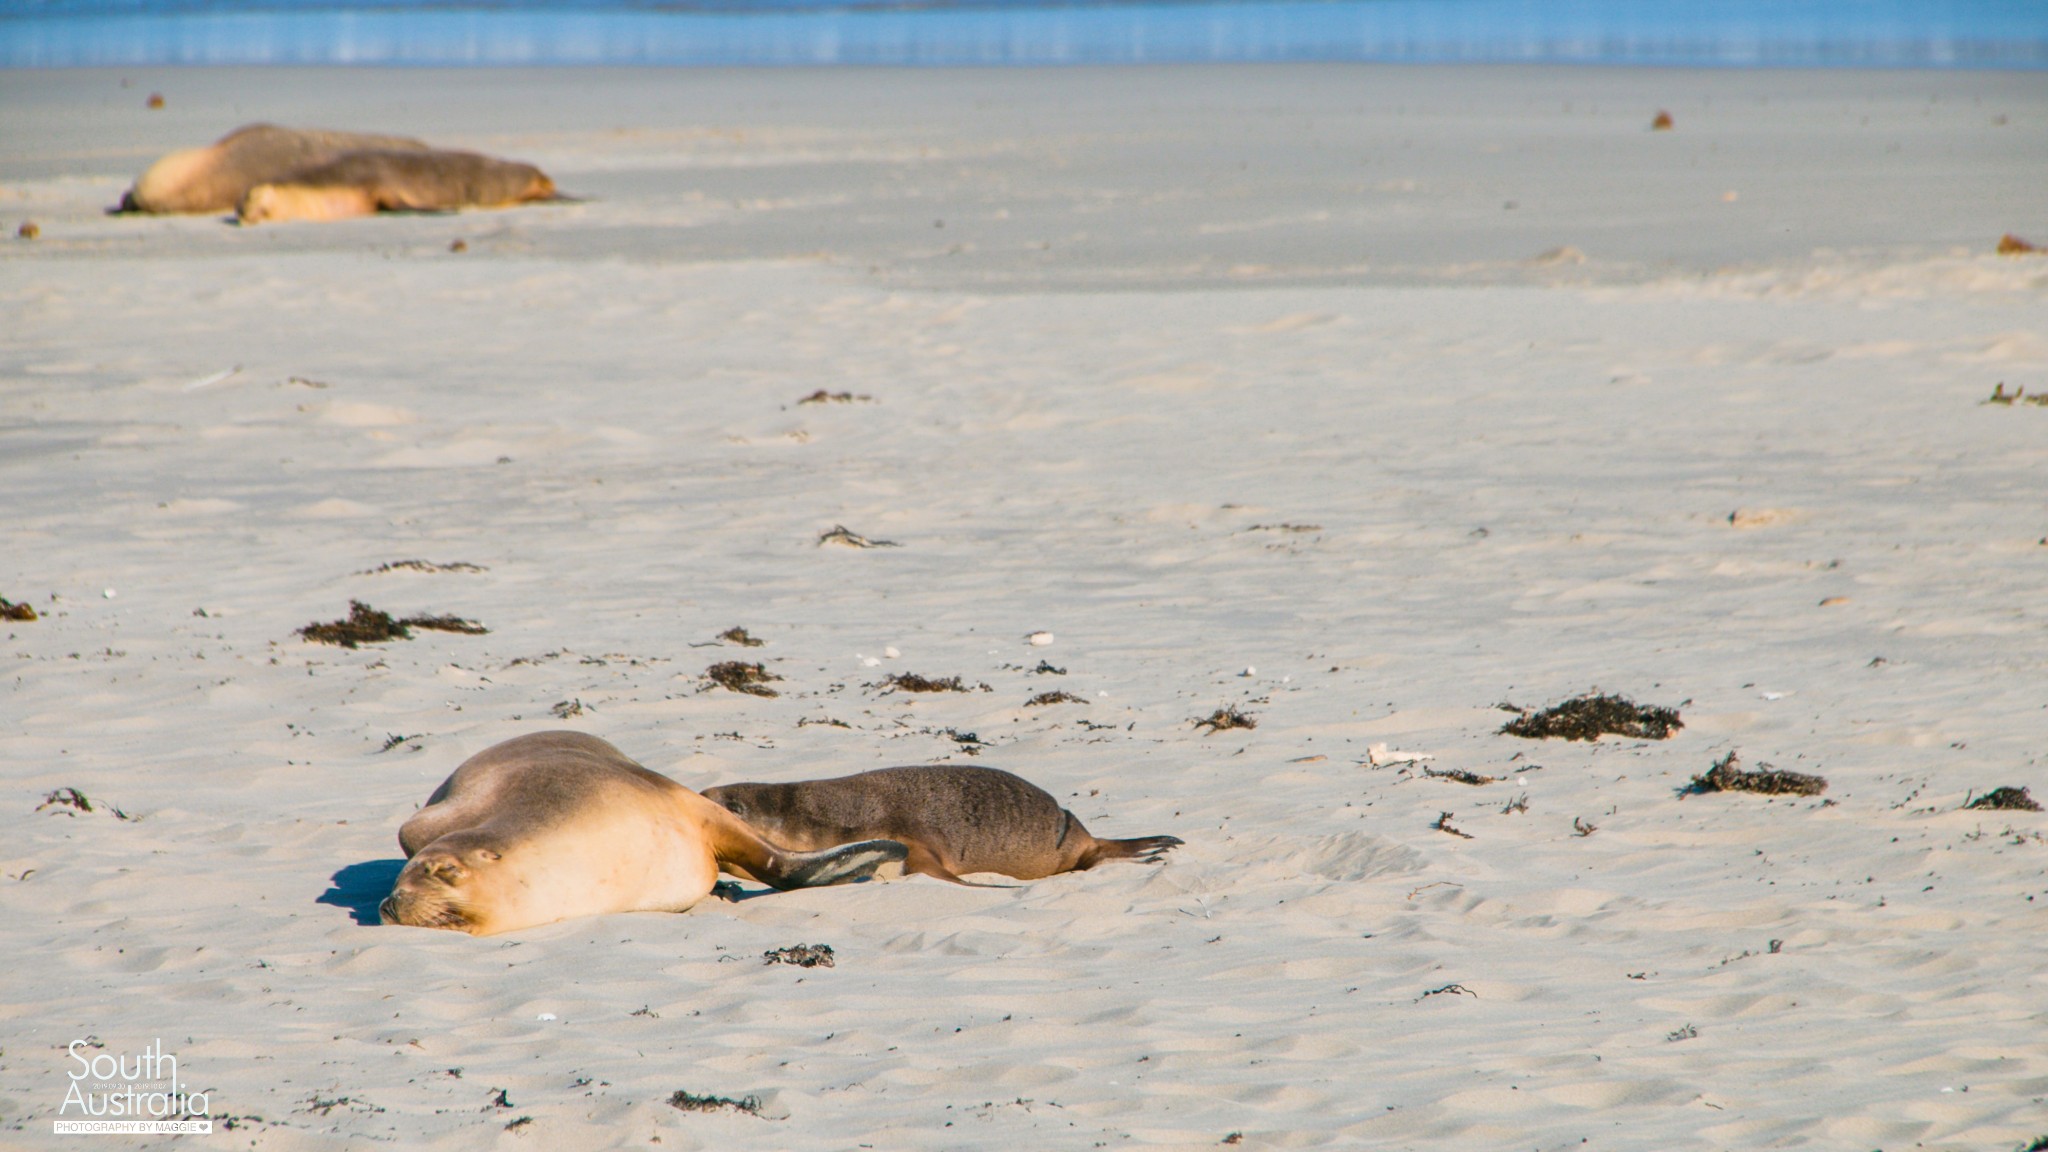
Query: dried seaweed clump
(1224, 719)
(2007, 799)
(841, 534)
(738, 635)
(823, 397)
(912, 682)
(367, 625)
(690, 1102)
(1460, 775)
(1589, 717)
(421, 566)
(1044, 698)
(2011, 245)
(801, 955)
(1724, 776)
(739, 676)
(9, 610)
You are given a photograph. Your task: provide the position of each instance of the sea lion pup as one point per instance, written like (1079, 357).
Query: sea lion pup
(362, 183)
(558, 824)
(954, 819)
(217, 177)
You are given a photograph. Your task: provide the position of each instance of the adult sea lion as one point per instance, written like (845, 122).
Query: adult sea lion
(558, 824)
(954, 819)
(217, 177)
(367, 182)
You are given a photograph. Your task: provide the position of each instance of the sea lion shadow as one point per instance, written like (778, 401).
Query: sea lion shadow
(361, 887)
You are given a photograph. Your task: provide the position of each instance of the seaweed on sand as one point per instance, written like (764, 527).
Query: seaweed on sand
(1590, 716)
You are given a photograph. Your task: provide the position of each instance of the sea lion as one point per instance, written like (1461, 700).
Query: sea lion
(558, 824)
(367, 182)
(217, 177)
(954, 819)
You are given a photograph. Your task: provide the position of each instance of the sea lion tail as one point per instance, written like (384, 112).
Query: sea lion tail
(847, 862)
(1143, 849)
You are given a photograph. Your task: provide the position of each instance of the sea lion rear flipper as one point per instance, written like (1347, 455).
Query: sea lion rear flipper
(1143, 849)
(834, 865)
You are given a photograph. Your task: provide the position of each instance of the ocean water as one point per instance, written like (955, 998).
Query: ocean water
(1727, 33)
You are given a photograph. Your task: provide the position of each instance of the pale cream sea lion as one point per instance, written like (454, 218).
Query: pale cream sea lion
(217, 177)
(363, 183)
(559, 824)
(954, 819)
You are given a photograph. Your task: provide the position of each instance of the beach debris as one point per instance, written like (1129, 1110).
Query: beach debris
(29, 230)
(969, 742)
(739, 676)
(823, 397)
(1443, 824)
(1378, 755)
(1233, 1138)
(564, 709)
(212, 378)
(801, 955)
(302, 382)
(409, 565)
(1448, 990)
(1038, 639)
(9, 610)
(367, 625)
(1725, 776)
(1564, 254)
(841, 534)
(2039, 1144)
(1581, 828)
(155, 103)
(827, 721)
(1283, 527)
(458, 245)
(912, 682)
(690, 1102)
(394, 739)
(1519, 804)
(2000, 396)
(1747, 518)
(2006, 799)
(1590, 716)
(1224, 719)
(1662, 122)
(1834, 601)
(1460, 775)
(738, 635)
(499, 1099)
(1045, 668)
(2011, 245)
(1044, 698)
(70, 802)
(521, 1122)
(1686, 1033)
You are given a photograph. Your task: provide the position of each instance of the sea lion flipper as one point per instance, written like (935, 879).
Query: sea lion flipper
(1143, 849)
(835, 865)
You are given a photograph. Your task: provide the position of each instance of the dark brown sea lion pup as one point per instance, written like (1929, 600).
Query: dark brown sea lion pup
(954, 819)
(560, 824)
(216, 178)
(364, 183)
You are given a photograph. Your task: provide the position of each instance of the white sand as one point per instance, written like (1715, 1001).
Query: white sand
(1207, 371)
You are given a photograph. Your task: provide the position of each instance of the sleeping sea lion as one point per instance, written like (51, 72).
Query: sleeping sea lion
(363, 183)
(954, 819)
(217, 177)
(558, 824)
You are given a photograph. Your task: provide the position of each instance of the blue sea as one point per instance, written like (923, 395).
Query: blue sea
(1728, 33)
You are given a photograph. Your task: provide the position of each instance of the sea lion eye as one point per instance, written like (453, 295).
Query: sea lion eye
(446, 871)
(736, 808)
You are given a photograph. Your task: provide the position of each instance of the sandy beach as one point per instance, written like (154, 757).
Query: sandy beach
(1363, 400)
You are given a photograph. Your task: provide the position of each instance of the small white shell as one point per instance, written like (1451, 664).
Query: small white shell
(1039, 639)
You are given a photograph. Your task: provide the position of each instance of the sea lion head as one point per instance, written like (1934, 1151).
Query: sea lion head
(447, 884)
